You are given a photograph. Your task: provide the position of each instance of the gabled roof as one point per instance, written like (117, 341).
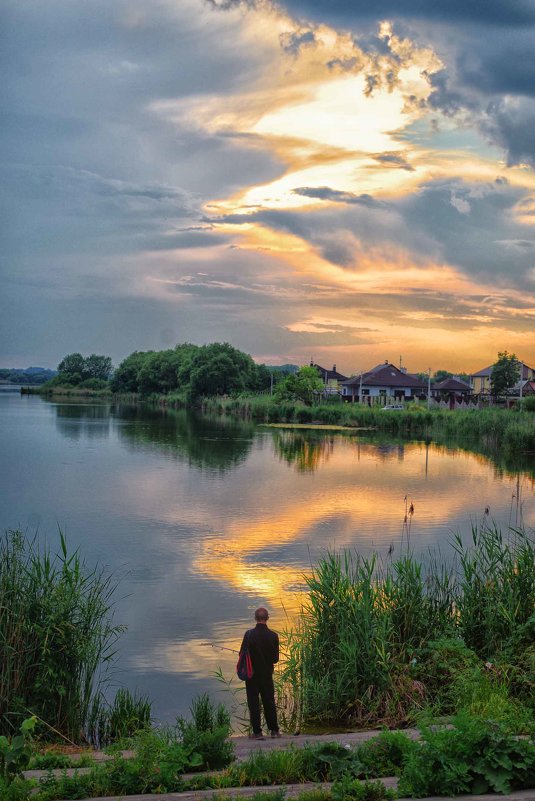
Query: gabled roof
(329, 375)
(453, 385)
(486, 371)
(387, 375)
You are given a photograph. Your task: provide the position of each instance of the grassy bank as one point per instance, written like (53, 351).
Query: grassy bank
(509, 429)
(378, 643)
(69, 392)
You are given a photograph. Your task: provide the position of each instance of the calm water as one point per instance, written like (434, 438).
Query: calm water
(205, 520)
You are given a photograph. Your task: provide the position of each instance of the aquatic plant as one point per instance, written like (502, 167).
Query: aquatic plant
(56, 634)
(359, 651)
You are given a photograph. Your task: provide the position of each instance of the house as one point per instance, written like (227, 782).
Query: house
(384, 383)
(481, 379)
(528, 388)
(332, 379)
(451, 386)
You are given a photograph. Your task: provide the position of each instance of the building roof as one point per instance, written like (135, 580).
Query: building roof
(329, 375)
(452, 385)
(486, 371)
(387, 375)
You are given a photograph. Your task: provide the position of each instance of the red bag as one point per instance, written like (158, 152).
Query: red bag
(244, 666)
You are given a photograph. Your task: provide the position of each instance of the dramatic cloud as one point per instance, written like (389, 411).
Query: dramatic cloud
(290, 175)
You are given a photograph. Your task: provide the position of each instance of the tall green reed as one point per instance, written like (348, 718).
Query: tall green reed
(56, 634)
(496, 591)
(349, 658)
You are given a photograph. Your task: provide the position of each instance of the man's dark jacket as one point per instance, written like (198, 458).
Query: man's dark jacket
(263, 646)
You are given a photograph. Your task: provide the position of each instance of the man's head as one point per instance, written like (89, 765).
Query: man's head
(261, 615)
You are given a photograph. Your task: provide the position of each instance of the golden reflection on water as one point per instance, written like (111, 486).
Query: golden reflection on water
(353, 488)
(262, 532)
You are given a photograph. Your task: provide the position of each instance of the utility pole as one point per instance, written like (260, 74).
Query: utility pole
(428, 387)
(271, 385)
(360, 388)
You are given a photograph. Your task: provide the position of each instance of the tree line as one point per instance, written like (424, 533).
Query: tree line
(193, 371)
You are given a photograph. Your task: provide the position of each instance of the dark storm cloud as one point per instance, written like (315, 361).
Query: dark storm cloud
(465, 225)
(519, 12)
(393, 160)
(337, 196)
(487, 47)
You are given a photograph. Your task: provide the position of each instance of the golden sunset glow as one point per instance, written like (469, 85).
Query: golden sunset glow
(286, 163)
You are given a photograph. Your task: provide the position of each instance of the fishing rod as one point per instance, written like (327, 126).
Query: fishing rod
(221, 647)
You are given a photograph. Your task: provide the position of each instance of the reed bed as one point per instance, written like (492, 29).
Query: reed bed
(364, 650)
(56, 634)
(511, 430)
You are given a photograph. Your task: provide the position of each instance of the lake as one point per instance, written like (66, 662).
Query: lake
(202, 519)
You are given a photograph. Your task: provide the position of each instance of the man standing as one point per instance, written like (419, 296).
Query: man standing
(263, 645)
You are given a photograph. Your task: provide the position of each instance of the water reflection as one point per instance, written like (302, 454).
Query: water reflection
(209, 443)
(207, 518)
(78, 420)
(306, 451)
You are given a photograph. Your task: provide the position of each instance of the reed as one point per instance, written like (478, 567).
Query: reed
(364, 625)
(56, 634)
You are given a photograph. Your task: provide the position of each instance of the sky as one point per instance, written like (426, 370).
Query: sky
(340, 180)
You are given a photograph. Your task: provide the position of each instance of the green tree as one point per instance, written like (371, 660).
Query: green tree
(72, 369)
(159, 372)
(301, 386)
(263, 377)
(505, 373)
(126, 377)
(98, 367)
(440, 375)
(218, 369)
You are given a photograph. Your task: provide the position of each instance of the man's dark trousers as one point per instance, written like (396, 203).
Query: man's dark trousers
(256, 688)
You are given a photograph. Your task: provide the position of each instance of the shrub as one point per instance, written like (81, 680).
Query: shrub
(17, 790)
(476, 756)
(385, 754)
(483, 691)
(15, 752)
(207, 733)
(94, 383)
(349, 789)
(438, 665)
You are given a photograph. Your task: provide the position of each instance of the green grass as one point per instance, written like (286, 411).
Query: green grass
(511, 429)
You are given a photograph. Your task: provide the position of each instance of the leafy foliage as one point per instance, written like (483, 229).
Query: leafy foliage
(385, 754)
(505, 373)
(350, 789)
(74, 369)
(195, 371)
(301, 386)
(159, 760)
(476, 756)
(15, 752)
